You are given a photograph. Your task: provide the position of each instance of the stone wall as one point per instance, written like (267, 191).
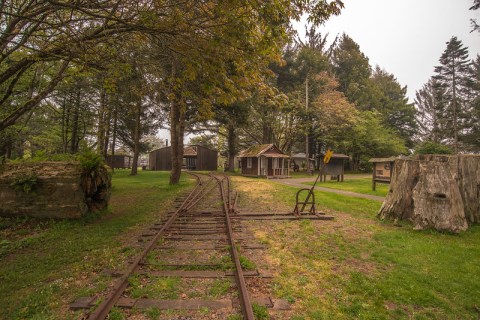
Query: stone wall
(59, 189)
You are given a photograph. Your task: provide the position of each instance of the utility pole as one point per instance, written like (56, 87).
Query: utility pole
(308, 128)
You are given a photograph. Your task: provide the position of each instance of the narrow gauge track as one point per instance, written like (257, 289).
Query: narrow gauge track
(203, 215)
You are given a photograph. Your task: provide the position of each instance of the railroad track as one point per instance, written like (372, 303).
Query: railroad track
(200, 240)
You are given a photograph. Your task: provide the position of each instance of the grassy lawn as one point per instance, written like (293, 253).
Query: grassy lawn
(356, 267)
(361, 185)
(46, 264)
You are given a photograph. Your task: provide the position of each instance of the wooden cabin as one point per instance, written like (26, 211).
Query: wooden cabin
(298, 162)
(265, 160)
(195, 157)
(119, 161)
(335, 168)
(382, 170)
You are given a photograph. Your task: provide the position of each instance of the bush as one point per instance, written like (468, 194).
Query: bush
(25, 182)
(90, 160)
(430, 147)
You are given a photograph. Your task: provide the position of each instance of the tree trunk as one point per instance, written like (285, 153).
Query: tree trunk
(76, 115)
(108, 128)
(101, 124)
(177, 130)
(435, 191)
(114, 138)
(136, 140)
(399, 201)
(65, 124)
(231, 148)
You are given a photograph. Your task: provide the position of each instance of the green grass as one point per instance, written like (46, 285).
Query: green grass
(361, 185)
(354, 267)
(357, 267)
(155, 287)
(220, 287)
(46, 264)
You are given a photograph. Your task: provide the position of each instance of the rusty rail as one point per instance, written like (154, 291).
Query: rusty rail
(203, 188)
(104, 308)
(244, 297)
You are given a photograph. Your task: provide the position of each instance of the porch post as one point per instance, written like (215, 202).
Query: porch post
(259, 164)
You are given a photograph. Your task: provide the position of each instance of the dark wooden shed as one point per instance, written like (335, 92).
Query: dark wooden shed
(265, 160)
(195, 157)
(382, 170)
(119, 161)
(335, 167)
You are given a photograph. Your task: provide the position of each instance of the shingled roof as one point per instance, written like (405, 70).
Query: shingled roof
(268, 150)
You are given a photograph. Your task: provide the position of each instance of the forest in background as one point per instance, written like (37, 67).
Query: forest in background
(108, 75)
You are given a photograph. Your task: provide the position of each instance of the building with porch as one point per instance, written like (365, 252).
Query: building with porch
(195, 157)
(265, 160)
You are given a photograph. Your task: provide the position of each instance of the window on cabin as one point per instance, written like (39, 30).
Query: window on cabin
(249, 163)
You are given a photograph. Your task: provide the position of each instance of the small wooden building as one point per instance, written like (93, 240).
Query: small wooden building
(335, 167)
(195, 157)
(265, 160)
(298, 162)
(382, 170)
(119, 161)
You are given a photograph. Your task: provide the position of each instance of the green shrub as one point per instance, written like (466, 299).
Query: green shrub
(430, 147)
(25, 182)
(90, 160)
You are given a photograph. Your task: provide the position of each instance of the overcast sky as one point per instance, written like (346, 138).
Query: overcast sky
(405, 37)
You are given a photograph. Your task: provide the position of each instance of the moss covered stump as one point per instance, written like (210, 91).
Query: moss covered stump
(53, 189)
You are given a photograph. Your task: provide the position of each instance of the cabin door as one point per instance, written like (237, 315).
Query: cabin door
(264, 166)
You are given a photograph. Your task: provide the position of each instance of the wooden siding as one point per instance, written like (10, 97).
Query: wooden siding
(207, 159)
(253, 171)
(119, 162)
(204, 160)
(160, 159)
(334, 167)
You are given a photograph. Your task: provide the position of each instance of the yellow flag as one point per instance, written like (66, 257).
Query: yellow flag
(327, 157)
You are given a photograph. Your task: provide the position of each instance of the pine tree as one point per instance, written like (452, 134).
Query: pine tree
(472, 134)
(353, 72)
(454, 75)
(397, 113)
(430, 108)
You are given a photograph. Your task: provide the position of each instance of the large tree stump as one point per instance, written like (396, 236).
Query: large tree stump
(52, 189)
(435, 191)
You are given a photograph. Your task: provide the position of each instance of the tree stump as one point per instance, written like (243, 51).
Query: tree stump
(435, 191)
(52, 189)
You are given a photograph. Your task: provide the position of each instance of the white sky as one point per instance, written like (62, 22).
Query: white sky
(405, 37)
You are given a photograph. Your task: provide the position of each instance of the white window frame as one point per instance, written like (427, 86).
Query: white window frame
(249, 163)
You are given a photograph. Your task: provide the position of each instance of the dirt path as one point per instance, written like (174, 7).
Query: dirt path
(300, 183)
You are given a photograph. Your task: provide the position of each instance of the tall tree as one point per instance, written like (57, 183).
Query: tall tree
(393, 105)
(353, 71)
(472, 133)
(229, 60)
(430, 109)
(332, 114)
(454, 75)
